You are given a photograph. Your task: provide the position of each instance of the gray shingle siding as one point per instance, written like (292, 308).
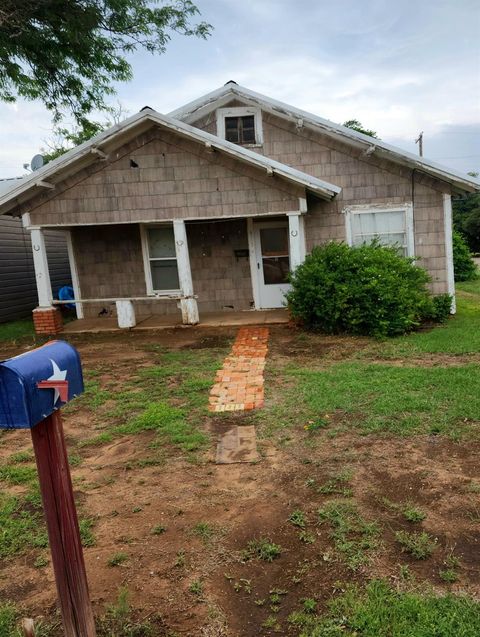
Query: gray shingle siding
(18, 290)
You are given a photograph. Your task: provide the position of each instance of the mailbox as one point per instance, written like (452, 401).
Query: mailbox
(37, 383)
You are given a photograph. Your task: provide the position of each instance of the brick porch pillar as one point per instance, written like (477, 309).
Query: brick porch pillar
(47, 320)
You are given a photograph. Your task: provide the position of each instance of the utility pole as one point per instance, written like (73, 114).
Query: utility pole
(419, 141)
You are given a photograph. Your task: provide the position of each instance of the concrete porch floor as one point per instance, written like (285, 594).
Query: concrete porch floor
(209, 319)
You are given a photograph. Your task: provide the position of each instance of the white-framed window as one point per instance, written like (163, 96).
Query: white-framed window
(240, 125)
(160, 259)
(390, 225)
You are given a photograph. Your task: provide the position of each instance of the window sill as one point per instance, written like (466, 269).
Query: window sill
(164, 293)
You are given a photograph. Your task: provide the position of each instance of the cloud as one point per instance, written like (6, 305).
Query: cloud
(397, 67)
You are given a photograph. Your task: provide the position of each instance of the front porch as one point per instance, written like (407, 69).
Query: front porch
(163, 322)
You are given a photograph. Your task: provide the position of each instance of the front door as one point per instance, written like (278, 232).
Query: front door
(273, 263)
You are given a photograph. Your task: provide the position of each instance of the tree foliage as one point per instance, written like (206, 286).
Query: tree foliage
(463, 264)
(466, 217)
(65, 138)
(69, 53)
(354, 124)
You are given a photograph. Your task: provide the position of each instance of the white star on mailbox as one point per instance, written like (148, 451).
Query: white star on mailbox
(56, 382)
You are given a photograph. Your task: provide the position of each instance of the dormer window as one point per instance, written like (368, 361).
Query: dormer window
(240, 125)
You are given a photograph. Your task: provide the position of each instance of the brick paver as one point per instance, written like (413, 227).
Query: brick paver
(239, 384)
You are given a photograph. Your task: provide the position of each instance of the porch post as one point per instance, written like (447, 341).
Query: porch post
(188, 303)
(296, 239)
(40, 263)
(46, 318)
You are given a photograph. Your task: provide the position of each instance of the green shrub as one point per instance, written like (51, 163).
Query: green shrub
(463, 264)
(442, 304)
(368, 289)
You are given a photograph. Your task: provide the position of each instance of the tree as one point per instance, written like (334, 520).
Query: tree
(466, 217)
(354, 124)
(69, 53)
(463, 264)
(63, 138)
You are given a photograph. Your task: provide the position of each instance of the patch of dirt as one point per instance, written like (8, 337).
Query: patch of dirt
(241, 502)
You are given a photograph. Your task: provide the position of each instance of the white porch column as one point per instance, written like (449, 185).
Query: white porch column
(188, 304)
(447, 218)
(296, 239)
(74, 273)
(40, 263)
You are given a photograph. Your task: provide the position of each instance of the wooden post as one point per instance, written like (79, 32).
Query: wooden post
(188, 304)
(62, 524)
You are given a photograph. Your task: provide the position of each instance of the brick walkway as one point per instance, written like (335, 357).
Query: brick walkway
(239, 384)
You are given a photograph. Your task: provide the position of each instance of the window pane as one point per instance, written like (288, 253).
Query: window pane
(387, 227)
(274, 241)
(275, 270)
(165, 275)
(232, 129)
(378, 222)
(248, 129)
(161, 242)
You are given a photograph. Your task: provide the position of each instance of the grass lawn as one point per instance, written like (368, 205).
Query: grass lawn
(15, 330)
(361, 517)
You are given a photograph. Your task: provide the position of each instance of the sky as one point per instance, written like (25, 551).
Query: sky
(400, 67)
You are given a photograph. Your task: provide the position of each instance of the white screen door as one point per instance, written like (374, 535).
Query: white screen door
(273, 263)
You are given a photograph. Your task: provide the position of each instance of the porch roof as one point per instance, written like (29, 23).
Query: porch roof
(98, 148)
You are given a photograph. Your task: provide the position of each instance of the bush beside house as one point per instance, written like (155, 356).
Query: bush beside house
(368, 289)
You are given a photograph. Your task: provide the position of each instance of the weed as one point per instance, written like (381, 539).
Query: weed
(21, 456)
(15, 474)
(337, 484)
(137, 509)
(159, 529)
(412, 514)
(180, 559)
(473, 487)
(420, 545)
(272, 623)
(448, 575)
(263, 548)
(354, 537)
(41, 561)
(309, 605)
(298, 518)
(20, 524)
(117, 559)
(196, 587)
(204, 531)
(118, 620)
(306, 537)
(86, 534)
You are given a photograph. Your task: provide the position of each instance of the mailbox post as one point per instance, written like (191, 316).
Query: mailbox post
(33, 387)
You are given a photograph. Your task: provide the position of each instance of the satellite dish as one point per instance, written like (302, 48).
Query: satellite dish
(37, 162)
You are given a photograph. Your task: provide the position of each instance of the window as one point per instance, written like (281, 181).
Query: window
(160, 259)
(240, 125)
(240, 130)
(391, 226)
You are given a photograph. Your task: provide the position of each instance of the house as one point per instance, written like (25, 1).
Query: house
(208, 208)
(18, 289)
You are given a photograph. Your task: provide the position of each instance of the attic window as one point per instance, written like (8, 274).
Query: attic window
(240, 130)
(240, 125)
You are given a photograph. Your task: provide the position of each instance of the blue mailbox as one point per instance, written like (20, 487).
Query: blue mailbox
(37, 383)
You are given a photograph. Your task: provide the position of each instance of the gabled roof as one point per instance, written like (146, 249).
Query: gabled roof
(100, 145)
(211, 101)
